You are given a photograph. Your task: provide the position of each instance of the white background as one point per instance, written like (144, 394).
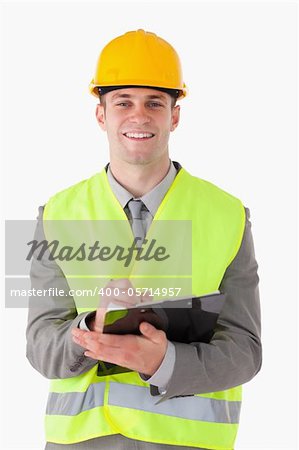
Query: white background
(238, 130)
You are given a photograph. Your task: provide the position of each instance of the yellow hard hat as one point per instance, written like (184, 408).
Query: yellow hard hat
(139, 58)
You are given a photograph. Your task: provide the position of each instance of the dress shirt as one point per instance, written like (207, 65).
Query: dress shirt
(151, 199)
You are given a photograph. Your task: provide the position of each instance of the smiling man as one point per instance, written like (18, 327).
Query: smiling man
(175, 394)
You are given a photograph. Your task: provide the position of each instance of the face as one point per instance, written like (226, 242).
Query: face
(138, 122)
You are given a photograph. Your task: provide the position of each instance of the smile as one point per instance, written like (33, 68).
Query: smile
(139, 136)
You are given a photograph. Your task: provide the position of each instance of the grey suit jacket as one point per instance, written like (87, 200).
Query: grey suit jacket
(232, 358)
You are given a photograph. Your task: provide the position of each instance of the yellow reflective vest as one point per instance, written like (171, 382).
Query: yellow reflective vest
(87, 406)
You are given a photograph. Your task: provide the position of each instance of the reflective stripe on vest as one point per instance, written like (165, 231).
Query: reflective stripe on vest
(191, 407)
(80, 408)
(73, 403)
(138, 397)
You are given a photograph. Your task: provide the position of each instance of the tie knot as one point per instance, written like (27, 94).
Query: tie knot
(135, 208)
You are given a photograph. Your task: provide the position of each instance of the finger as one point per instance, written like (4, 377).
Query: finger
(107, 354)
(98, 357)
(125, 290)
(121, 283)
(151, 333)
(100, 319)
(113, 340)
(80, 341)
(78, 336)
(119, 296)
(92, 345)
(146, 298)
(78, 332)
(84, 338)
(91, 355)
(125, 299)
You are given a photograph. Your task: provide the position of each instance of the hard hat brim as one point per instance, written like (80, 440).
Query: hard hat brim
(97, 90)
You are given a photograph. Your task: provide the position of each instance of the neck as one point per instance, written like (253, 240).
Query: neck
(139, 178)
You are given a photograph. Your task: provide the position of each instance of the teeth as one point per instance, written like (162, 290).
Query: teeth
(139, 135)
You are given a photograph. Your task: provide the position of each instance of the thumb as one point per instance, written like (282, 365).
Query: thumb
(150, 332)
(100, 319)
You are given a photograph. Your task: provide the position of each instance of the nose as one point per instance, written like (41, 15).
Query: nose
(139, 115)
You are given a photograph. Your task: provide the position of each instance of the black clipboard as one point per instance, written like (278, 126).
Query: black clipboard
(184, 320)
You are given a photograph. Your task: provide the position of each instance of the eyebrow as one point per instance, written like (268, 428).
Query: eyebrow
(148, 97)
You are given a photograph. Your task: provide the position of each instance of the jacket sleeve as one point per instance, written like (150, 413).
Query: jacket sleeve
(50, 348)
(234, 355)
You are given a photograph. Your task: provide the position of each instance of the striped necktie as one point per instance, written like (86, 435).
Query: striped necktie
(135, 207)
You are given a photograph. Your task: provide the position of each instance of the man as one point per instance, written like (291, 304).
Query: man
(176, 395)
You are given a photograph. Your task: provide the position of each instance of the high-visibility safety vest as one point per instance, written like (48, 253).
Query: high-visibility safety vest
(88, 406)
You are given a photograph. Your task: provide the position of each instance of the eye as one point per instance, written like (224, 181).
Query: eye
(123, 104)
(155, 105)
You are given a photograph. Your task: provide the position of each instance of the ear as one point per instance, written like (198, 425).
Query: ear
(100, 115)
(175, 117)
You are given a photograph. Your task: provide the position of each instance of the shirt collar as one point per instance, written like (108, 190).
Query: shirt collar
(151, 199)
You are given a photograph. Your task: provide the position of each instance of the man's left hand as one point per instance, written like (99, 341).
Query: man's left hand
(142, 354)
